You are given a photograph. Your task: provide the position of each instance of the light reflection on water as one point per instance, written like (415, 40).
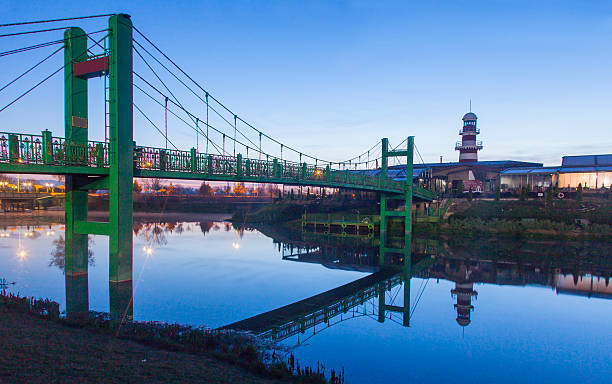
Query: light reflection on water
(476, 313)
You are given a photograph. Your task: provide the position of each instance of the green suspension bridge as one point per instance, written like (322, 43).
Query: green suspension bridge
(228, 148)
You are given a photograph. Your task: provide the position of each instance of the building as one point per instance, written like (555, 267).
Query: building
(481, 176)
(468, 147)
(589, 171)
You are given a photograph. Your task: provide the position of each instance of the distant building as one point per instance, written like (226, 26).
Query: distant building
(468, 147)
(590, 171)
(587, 285)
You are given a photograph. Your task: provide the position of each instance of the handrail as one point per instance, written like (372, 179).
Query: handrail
(47, 150)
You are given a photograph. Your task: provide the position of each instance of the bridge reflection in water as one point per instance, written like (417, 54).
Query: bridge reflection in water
(427, 259)
(578, 269)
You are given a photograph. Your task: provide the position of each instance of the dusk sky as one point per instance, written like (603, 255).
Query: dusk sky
(333, 77)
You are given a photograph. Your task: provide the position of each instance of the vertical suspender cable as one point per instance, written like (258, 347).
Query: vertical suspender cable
(166, 121)
(235, 129)
(224, 144)
(197, 129)
(207, 122)
(259, 145)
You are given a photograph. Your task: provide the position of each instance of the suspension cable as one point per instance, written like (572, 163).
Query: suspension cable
(31, 68)
(214, 99)
(417, 150)
(29, 32)
(39, 83)
(171, 112)
(191, 115)
(31, 47)
(155, 126)
(54, 20)
(208, 106)
(172, 101)
(237, 118)
(42, 45)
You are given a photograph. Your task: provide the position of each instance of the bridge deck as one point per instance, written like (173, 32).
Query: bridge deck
(283, 315)
(43, 154)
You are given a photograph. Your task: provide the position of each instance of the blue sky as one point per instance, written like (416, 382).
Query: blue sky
(333, 77)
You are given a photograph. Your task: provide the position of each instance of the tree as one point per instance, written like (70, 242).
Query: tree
(291, 196)
(137, 187)
(579, 192)
(523, 194)
(549, 195)
(170, 190)
(239, 189)
(205, 189)
(497, 193)
(460, 188)
(155, 185)
(308, 194)
(470, 195)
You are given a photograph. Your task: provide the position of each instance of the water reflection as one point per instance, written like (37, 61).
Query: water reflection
(58, 253)
(193, 273)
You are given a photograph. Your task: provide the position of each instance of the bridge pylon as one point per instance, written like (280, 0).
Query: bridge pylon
(385, 199)
(117, 64)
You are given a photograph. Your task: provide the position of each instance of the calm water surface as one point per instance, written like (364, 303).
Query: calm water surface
(486, 312)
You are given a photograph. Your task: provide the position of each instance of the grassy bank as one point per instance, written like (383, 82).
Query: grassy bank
(283, 211)
(560, 211)
(564, 219)
(37, 345)
(537, 229)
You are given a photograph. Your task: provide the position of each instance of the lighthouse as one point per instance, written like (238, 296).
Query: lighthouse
(464, 293)
(468, 147)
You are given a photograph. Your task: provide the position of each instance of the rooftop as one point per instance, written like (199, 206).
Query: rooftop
(586, 160)
(470, 116)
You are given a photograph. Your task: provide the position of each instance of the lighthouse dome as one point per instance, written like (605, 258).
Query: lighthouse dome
(462, 321)
(470, 116)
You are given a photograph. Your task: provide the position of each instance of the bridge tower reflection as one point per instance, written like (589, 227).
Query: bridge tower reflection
(77, 297)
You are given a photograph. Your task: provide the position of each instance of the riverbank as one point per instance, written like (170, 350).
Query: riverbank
(560, 219)
(35, 350)
(291, 210)
(39, 346)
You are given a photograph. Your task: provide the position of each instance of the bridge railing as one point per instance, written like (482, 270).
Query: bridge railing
(326, 313)
(151, 158)
(68, 152)
(20, 148)
(47, 150)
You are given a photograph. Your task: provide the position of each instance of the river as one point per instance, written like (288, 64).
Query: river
(477, 311)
